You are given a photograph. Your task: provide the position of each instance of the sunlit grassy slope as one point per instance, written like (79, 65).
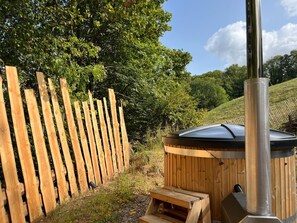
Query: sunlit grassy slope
(283, 102)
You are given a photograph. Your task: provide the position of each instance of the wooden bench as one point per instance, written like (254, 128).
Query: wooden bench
(177, 206)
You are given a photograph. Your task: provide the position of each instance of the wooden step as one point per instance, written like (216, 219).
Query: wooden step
(192, 193)
(173, 197)
(152, 219)
(171, 219)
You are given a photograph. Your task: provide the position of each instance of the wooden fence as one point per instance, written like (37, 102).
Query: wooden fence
(69, 154)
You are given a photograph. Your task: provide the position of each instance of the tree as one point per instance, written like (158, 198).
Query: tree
(207, 92)
(217, 75)
(40, 36)
(233, 80)
(97, 45)
(281, 68)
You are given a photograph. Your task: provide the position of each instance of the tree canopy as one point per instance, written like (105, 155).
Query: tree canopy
(281, 68)
(207, 90)
(102, 44)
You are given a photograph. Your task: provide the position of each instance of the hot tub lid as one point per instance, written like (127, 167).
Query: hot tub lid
(224, 136)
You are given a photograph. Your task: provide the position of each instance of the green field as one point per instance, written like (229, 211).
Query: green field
(283, 102)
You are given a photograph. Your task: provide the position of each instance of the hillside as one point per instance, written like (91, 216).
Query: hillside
(283, 102)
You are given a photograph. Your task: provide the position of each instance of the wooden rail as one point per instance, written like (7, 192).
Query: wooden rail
(41, 167)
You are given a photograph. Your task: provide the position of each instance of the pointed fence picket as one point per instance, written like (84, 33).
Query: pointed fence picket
(84, 142)
(107, 151)
(52, 138)
(49, 168)
(80, 167)
(23, 144)
(93, 145)
(44, 169)
(116, 128)
(111, 138)
(63, 139)
(9, 168)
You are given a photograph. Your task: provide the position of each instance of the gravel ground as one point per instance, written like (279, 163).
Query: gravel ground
(135, 210)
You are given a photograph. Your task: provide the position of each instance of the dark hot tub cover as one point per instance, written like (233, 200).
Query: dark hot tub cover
(224, 136)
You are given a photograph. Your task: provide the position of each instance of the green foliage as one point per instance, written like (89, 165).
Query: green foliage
(281, 68)
(153, 139)
(233, 80)
(208, 92)
(98, 45)
(41, 36)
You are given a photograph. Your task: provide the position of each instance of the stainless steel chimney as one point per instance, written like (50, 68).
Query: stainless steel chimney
(255, 205)
(257, 144)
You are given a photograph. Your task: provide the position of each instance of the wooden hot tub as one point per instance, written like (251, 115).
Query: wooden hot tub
(211, 160)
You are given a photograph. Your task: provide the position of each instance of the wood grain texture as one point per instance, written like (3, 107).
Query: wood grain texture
(14, 196)
(110, 137)
(106, 171)
(124, 136)
(52, 138)
(23, 144)
(80, 166)
(63, 139)
(45, 175)
(93, 147)
(3, 215)
(107, 151)
(84, 143)
(116, 130)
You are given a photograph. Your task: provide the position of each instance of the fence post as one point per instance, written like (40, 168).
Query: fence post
(63, 139)
(84, 142)
(44, 169)
(23, 144)
(111, 138)
(105, 139)
(93, 148)
(52, 139)
(116, 130)
(103, 148)
(81, 172)
(125, 141)
(8, 163)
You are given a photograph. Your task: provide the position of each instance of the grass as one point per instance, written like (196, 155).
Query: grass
(106, 203)
(283, 102)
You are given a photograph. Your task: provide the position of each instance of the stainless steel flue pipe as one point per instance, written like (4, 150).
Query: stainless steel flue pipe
(254, 39)
(257, 144)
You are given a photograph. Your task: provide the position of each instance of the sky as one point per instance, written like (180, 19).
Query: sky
(214, 31)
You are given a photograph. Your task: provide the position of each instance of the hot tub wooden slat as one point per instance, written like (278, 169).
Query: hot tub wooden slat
(287, 210)
(207, 175)
(233, 177)
(217, 187)
(292, 190)
(202, 175)
(174, 170)
(183, 172)
(283, 189)
(178, 171)
(277, 187)
(188, 180)
(273, 201)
